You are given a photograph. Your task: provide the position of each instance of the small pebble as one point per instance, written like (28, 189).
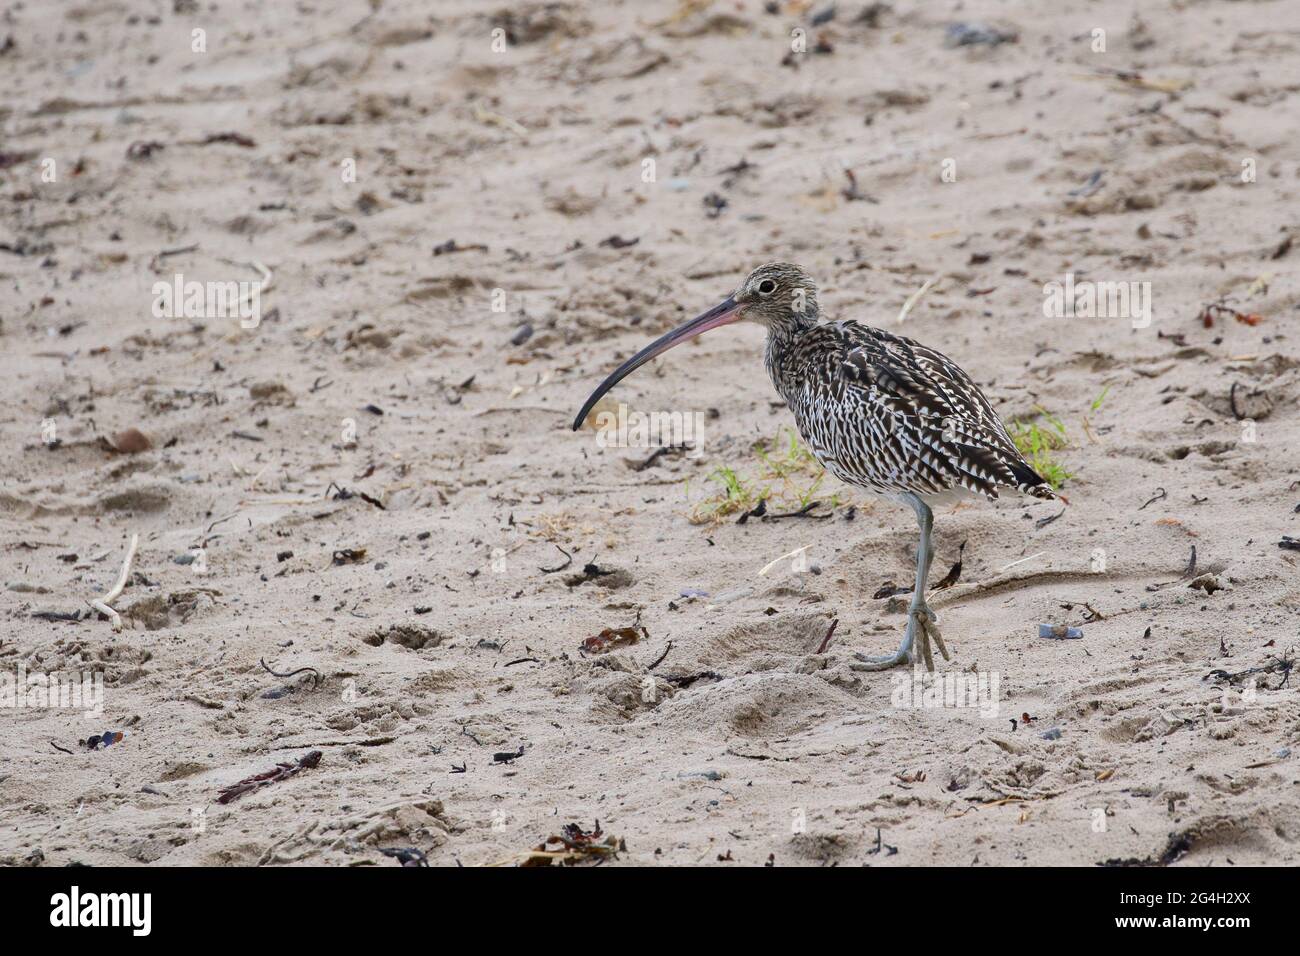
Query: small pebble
(713, 775)
(1059, 632)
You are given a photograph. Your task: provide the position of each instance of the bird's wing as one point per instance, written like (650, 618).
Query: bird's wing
(943, 420)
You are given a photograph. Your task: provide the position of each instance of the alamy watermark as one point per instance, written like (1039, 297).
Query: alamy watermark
(75, 908)
(1086, 299)
(181, 299)
(80, 690)
(632, 429)
(950, 689)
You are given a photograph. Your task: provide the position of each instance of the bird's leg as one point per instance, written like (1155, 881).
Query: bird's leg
(927, 621)
(922, 622)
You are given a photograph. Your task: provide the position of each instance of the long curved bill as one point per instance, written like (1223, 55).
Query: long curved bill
(721, 314)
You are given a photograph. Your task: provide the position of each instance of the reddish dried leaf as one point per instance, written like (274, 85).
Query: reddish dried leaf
(612, 637)
(130, 441)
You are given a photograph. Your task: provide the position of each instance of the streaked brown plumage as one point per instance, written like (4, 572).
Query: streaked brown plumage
(880, 411)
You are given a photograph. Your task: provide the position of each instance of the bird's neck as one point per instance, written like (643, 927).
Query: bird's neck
(782, 338)
(789, 326)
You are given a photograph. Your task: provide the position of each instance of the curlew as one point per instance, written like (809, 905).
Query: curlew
(880, 412)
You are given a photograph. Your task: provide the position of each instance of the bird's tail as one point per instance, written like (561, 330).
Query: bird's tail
(1030, 482)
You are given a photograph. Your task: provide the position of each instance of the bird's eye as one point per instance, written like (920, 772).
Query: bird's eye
(766, 287)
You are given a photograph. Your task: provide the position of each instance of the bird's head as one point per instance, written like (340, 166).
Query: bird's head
(776, 295)
(780, 296)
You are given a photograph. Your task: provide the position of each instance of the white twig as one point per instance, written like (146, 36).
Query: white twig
(252, 485)
(102, 605)
(268, 280)
(1008, 567)
(914, 298)
(505, 122)
(268, 277)
(770, 565)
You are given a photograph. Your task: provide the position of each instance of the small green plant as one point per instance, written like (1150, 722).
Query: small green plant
(786, 456)
(808, 495)
(1092, 410)
(1039, 440)
(736, 494)
(781, 479)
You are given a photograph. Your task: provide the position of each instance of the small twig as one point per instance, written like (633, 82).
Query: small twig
(1042, 523)
(103, 604)
(757, 511)
(301, 670)
(343, 494)
(208, 535)
(465, 731)
(268, 277)
(57, 615)
(1188, 573)
(1232, 401)
(1092, 613)
(1008, 567)
(282, 771)
(660, 659)
(1284, 664)
(1162, 494)
(954, 573)
(657, 454)
(773, 563)
(804, 512)
(881, 844)
(827, 639)
(165, 253)
(914, 298)
(559, 567)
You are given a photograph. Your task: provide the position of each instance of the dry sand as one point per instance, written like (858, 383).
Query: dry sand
(444, 643)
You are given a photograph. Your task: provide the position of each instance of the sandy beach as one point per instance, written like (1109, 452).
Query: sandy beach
(305, 297)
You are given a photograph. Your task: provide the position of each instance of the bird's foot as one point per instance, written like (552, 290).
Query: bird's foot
(928, 627)
(922, 626)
